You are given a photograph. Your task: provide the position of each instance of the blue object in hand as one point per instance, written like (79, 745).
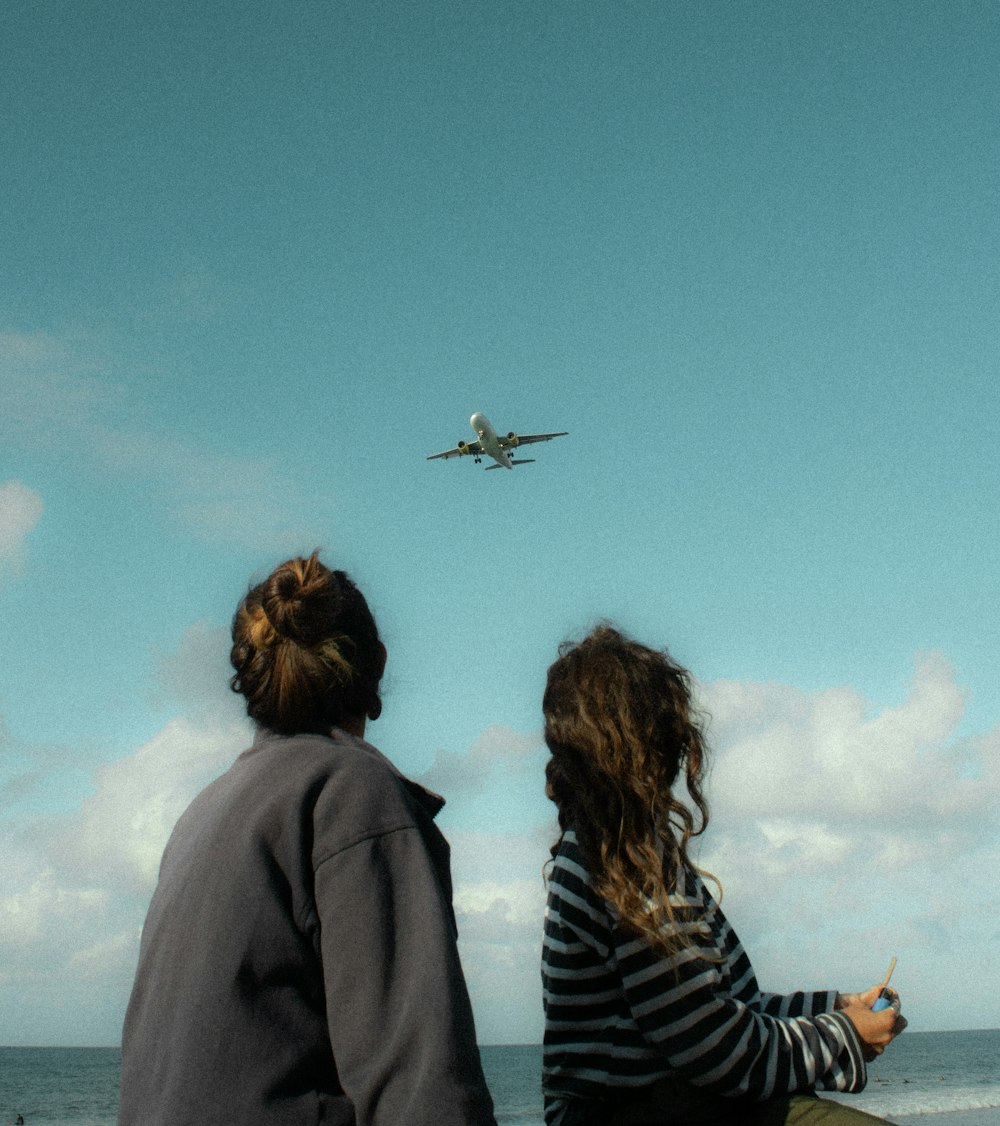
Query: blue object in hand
(884, 1000)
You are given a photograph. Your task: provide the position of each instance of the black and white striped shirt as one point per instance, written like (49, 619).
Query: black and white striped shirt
(619, 1015)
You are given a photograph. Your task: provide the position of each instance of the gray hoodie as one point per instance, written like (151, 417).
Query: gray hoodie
(298, 963)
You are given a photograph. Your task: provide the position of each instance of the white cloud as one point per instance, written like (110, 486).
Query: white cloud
(498, 750)
(123, 826)
(31, 913)
(66, 397)
(196, 676)
(514, 900)
(499, 904)
(48, 391)
(823, 879)
(113, 956)
(220, 497)
(74, 886)
(27, 348)
(780, 751)
(20, 510)
(843, 833)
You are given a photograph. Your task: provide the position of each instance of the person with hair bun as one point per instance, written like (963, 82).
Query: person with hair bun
(653, 1015)
(298, 964)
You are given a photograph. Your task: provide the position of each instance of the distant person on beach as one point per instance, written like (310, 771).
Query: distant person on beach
(653, 1015)
(298, 963)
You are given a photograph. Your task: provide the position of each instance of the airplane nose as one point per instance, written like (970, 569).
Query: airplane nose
(477, 421)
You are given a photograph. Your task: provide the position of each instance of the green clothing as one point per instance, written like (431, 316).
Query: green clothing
(806, 1110)
(670, 1105)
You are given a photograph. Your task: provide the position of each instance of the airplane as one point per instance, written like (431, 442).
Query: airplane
(495, 445)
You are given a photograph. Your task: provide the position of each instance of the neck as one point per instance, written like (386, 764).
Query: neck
(354, 725)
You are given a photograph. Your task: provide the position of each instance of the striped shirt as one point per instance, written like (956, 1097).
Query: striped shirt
(620, 1016)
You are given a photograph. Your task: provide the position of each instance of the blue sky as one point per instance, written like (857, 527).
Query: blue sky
(259, 260)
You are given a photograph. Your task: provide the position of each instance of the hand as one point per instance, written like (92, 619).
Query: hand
(876, 1030)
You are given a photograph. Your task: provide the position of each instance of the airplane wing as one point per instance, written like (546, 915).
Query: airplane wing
(527, 439)
(465, 448)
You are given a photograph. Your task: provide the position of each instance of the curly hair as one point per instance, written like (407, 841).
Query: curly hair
(620, 726)
(306, 650)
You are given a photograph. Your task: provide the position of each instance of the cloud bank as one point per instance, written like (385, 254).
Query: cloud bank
(843, 834)
(74, 886)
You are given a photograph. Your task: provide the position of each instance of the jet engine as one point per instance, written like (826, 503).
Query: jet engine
(512, 439)
(462, 445)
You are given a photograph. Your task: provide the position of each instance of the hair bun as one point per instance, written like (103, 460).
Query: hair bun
(306, 650)
(298, 603)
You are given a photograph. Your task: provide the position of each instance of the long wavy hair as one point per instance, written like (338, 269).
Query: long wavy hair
(621, 727)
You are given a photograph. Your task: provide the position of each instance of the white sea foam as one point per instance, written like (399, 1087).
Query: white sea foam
(972, 1117)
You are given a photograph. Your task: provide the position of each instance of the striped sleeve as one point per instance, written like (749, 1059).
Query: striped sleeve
(702, 1009)
(796, 1004)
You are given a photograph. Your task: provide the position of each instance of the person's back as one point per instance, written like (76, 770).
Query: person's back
(653, 1015)
(298, 962)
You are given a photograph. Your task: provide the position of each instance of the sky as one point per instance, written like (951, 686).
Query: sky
(260, 259)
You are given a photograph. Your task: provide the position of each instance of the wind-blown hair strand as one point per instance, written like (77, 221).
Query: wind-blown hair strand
(621, 727)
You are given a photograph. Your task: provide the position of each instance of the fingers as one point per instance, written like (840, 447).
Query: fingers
(870, 996)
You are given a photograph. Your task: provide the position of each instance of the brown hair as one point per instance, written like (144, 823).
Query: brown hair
(306, 650)
(620, 726)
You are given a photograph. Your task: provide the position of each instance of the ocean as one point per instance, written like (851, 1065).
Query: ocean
(932, 1074)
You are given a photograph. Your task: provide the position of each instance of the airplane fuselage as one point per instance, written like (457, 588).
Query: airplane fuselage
(488, 438)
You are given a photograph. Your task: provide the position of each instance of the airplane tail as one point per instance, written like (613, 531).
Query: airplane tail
(514, 461)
